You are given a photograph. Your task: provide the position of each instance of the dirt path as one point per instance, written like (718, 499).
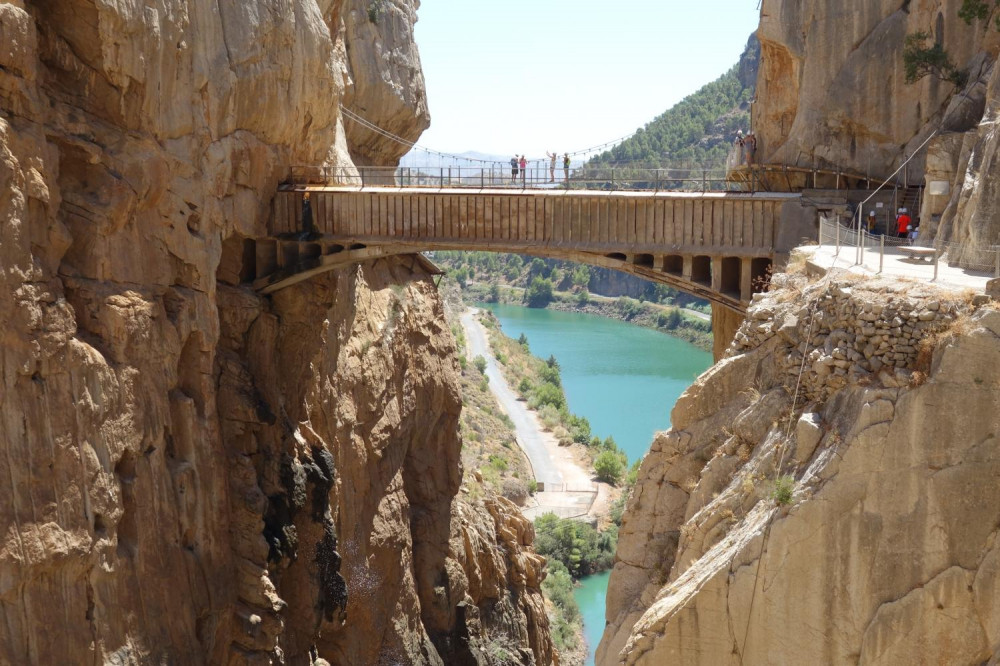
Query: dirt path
(569, 488)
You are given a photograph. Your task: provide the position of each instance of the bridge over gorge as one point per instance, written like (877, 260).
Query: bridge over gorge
(720, 246)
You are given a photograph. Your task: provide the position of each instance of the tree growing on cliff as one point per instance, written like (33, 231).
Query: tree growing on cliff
(977, 10)
(920, 60)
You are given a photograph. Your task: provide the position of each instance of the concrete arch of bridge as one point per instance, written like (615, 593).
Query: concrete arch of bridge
(727, 281)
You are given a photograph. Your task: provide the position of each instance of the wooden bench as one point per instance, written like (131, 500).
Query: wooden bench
(916, 252)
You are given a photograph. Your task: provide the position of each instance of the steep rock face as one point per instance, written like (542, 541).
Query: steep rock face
(197, 474)
(972, 216)
(345, 439)
(380, 36)
(886, 551)
(832, 92)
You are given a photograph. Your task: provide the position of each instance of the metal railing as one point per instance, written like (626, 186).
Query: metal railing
(498, 176)
(983, 259)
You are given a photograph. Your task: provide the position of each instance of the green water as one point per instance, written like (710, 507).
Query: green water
(624, 379)
(590, 597)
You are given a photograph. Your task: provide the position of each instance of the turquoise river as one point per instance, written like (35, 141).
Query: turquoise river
(624, 379)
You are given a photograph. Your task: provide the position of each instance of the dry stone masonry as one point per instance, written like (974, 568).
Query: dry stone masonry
(847, 517)
(849, 341)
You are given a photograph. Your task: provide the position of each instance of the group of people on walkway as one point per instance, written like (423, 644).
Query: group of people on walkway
(905, 226)
(520, 166)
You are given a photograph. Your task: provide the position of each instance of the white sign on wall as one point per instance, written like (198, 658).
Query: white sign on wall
(938, 188)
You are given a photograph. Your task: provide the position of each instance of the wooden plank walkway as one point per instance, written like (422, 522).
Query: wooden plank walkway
(719, 246)
(733, 224)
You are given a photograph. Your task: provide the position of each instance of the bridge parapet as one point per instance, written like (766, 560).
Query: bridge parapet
(719, 246)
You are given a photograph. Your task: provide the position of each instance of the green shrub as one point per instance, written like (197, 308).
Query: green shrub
(498, 463)
(549, 416)
(539, 293)
(629, 307)
(550, 375)
(523, 341)
(525, 387)
(784, 488)
(480, 363)
(546, 394)
(494, 293)
(610, 465)
(583, 297)
(579, 547)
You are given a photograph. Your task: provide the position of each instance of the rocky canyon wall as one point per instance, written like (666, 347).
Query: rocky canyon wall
(827, 492)
(195, 473)
(832, 94)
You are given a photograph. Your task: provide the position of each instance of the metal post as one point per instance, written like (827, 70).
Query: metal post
(881, 252)
(996, 266)
(861, 247)
(857, 235)
(658, 186)
(838, 238)
(704, 184)
(935, 265)
(441, 179)
(612, 178)
(482, 178)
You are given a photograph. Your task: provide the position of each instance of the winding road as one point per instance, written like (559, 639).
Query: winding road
(530, 436)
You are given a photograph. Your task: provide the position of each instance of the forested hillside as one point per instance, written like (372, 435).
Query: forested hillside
(700, 129)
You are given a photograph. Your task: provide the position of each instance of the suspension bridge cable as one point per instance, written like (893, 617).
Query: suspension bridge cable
(350, 115)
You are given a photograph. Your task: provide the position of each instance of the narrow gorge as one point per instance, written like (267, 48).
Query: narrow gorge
(196, 473)
(827, 492)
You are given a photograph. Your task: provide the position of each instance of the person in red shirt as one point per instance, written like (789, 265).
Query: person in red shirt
(903, 223)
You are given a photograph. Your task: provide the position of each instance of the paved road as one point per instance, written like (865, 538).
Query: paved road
(529, 435)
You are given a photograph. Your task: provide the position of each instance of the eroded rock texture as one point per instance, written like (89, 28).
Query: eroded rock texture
(831, 92)
(193, 473)
(879, 406)
(832, 95)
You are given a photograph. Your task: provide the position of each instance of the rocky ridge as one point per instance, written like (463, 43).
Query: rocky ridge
(197, 474)
(874, 407)
(832, 95)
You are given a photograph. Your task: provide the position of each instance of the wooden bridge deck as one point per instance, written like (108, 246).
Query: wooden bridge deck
(716, 245)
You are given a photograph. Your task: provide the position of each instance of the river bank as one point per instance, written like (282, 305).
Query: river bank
(624, 379)
(686, 324)
(565, 480)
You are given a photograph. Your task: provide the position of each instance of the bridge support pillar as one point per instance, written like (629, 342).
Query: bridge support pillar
(746, 279)
(688, 267)
(725, 323)
(717, 274)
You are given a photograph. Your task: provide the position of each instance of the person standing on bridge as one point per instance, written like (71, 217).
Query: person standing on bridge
(750, 144)
(552, 166)
(566, 166)
(513, 170)
(524, 171)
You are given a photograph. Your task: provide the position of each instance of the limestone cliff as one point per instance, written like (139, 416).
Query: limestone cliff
(195, 473)
(831, 94)
(827, 492)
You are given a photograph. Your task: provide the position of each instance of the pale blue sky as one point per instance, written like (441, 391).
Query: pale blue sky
(529, 76)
